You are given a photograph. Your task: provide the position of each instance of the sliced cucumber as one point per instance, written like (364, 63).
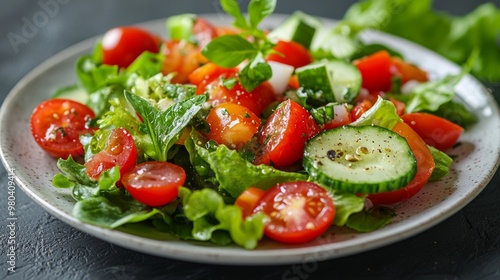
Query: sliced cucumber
(180, 27)
(335, 80)
(365, 159)
(299, 28)
(73, 92)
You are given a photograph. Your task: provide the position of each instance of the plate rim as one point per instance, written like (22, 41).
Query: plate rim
(238, 256)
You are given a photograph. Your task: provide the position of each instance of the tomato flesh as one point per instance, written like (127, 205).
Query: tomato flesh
(298, 211)
(376, 71)
(425, 166)
(248, 200)
(435, 131)
(154, 183)
(290, 53)
(181, 58)
(120, 150)
(56, 126)
(203, 31)
(360, 108)
(122, 45)
(232, 125)
(284, 135)
(408, 71)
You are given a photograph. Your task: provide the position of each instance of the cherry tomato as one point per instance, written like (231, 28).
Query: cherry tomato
(120, 150)
(342, 116)
(376, 71)
(435, 131)
(203, 31)
(181, 58)
(207, 73)
(408, 71)
(360, 108)
(248, 199)
(232, 125)
(425, 166)
(122, 45)
(256, 101)
(284, 135)
(298, 211)
(290, 53)
(154, 183)
(57, 124)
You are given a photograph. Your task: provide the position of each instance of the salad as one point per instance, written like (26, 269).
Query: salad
(229, 134)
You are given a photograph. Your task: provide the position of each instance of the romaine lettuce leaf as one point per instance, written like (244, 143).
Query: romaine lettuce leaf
(382, 113)
(370, 220)
(442, 162)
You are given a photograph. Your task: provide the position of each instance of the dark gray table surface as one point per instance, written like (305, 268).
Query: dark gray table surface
(465, 246)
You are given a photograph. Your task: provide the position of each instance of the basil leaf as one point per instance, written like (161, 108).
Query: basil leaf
(165, 127)
(259, 9)
(232, 8)
(254, 73)
(229, 50)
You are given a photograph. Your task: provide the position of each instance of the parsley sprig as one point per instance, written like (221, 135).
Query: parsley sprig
(251, 44)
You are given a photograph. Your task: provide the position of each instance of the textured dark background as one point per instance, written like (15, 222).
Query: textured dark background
(465, 246)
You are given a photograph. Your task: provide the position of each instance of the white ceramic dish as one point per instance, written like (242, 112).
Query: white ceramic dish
(477, 158)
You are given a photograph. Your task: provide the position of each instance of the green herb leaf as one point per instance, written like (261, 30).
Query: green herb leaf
(442, 164)
(259, 9)
(229, 50)
(254, 73)
(165, 127)
(232, 8)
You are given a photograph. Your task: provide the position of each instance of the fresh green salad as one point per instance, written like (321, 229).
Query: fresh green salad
(232, 134)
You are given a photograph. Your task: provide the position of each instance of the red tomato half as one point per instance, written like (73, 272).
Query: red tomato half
(181, 58)
(409, 71)
(206, 74)
(376, 71)
(203, 31)
(284, 135)
(425, 166)
(122, 45)
(290, 53)
(120, 150)
(256, 101)
(154, 183)
(232, 125)
(435, 131)
(57, 124)
(298, 211)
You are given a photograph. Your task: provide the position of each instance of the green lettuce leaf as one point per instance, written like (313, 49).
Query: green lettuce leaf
(382, 113)
(235, 174)
(443, 163)
(74, 176)
(209, 214)
(370, 220)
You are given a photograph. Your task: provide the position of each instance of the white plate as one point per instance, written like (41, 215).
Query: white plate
(477, 158)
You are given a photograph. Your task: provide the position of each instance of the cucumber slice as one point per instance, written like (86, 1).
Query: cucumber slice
(299, 27)
(73, 92)
(335, 80)
(365, 159)
(180, 27)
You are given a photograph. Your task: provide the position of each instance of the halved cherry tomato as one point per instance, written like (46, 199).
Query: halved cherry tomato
(409, 71)
(256, 101)
(435, 131)
(232, 125)
(298, 211)
(122, 45)
(57, 124)
(207, 73)
(290, 53)
(120, 150)
(376, 71)
(425, 166)
(400, 106)
(181, 58)
(248, 199)
(360, 108)
(154, 183)
(342, 116)
(284, 135)
(203, 31)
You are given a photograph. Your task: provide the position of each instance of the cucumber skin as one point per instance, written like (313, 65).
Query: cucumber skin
(363, 187)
